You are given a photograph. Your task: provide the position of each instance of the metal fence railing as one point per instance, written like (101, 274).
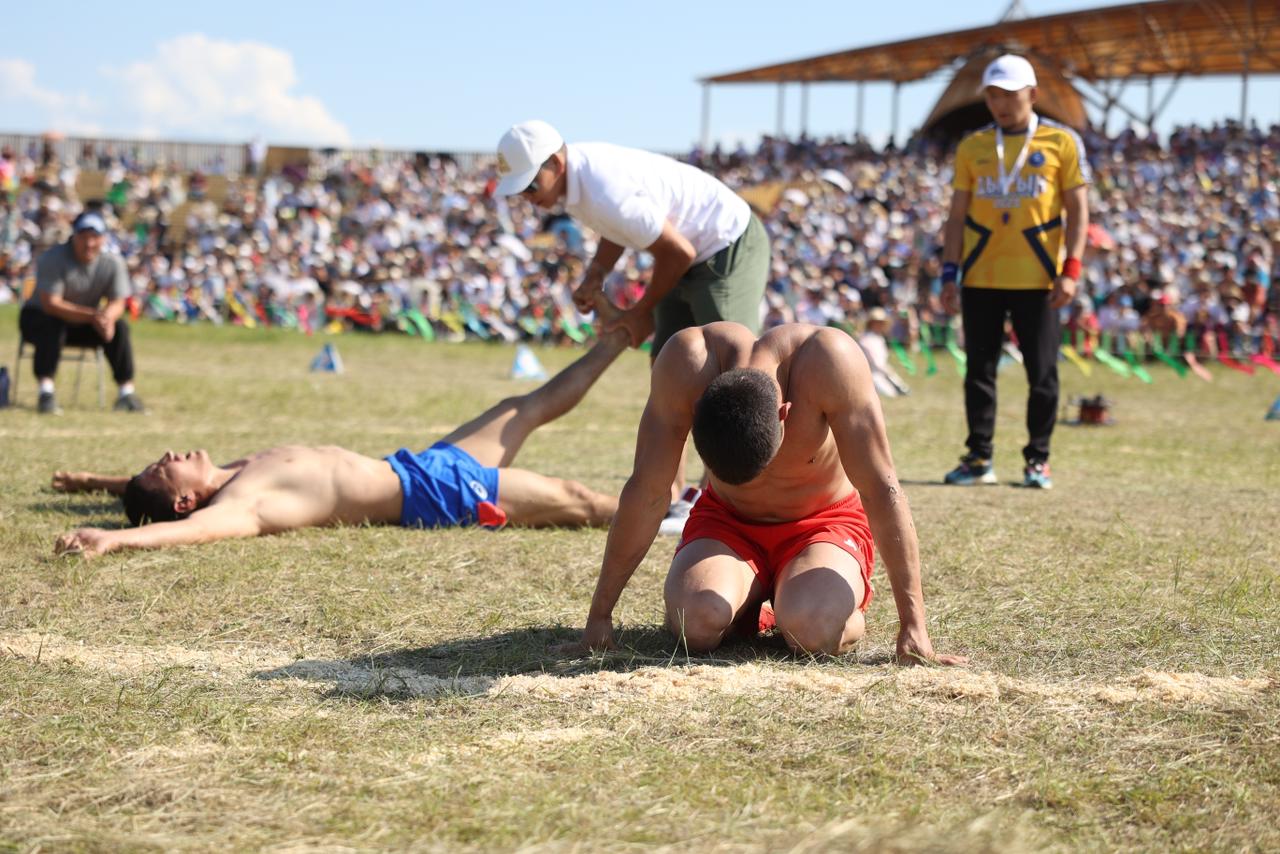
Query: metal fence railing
(227, 158)
(466, 160)
(213, 157)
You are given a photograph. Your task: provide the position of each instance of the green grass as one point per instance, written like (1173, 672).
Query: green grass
(376, 688)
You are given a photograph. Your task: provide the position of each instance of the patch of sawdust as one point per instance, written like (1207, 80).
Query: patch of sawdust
(680, 685)
(551, 735)
(952, 684)
(364, 680)
(129, 659)
(1190, 689)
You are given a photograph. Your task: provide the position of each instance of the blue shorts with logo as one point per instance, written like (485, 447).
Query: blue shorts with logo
(445, 487)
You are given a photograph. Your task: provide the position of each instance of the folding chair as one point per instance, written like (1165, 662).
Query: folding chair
(79, 356)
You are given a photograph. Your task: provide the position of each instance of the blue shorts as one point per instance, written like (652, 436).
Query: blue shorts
(445, 487)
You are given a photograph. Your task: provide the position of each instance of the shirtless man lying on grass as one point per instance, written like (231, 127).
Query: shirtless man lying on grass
(790, 429)
(464, 479)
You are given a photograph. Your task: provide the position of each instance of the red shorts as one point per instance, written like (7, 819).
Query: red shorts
(769, 546)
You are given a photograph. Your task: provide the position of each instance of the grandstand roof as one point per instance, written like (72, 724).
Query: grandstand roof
(1172, 37)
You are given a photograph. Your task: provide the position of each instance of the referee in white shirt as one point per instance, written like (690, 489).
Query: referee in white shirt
(710, 252)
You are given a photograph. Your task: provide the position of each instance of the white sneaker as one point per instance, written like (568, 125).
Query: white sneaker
(678, 513)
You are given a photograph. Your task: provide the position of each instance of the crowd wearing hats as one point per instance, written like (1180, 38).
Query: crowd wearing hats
(1184, 241)
(414, 245)
(1185, 235)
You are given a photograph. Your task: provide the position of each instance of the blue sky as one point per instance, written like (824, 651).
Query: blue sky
(455, 75)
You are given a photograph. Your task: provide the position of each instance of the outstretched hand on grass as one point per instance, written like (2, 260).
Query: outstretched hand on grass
(87, 481)
(597, 636)
(86, 542)
(914, 647)
(71, 481)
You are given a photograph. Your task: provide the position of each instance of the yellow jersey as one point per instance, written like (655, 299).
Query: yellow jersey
(1014, 241)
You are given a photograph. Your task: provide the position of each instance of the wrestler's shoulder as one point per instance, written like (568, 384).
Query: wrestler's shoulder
(783, 339)
(697, 346)
(825, 340)
(720, 331)
(826, 360)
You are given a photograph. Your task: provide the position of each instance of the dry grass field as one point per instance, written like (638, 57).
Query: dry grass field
(377, 688)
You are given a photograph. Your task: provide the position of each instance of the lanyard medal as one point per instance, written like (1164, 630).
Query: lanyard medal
(1008, 200)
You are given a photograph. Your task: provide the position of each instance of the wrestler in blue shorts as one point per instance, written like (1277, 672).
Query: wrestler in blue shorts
(445, 487)
(464, 479)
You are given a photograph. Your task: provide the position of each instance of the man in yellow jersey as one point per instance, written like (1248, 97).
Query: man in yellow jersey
(1020, 196)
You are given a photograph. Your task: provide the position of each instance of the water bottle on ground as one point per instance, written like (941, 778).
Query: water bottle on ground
(4, 387)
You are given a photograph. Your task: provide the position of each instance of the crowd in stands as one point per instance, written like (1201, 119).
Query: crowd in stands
(1184, 246)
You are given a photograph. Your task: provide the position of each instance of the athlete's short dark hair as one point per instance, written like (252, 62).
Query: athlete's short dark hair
(146, 502)
(735, 424)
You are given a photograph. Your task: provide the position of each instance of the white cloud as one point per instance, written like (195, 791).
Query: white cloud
(67, 113)
(18, 84)
(195, 85)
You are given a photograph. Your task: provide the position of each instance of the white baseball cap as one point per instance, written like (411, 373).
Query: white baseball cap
(1009, 72)
(522, 151)
(89, 221)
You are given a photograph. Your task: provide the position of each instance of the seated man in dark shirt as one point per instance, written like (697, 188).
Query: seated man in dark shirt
(73, 279)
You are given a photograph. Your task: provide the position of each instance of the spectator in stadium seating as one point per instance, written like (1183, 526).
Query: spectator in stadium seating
(1162, 321)
(875, 347)
(79, 300)
(1170, 209)
(1116, 315)
(1082, 324)
(1273, 298)
(8, 171)
(1006, 227)
(1254, 290)
(1238, 326)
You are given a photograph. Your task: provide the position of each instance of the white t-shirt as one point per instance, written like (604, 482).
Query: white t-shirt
(625, 195)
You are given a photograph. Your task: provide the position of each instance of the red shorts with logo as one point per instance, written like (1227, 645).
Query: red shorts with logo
(767, 547)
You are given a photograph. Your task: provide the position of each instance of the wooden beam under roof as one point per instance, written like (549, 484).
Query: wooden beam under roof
(1197, 37)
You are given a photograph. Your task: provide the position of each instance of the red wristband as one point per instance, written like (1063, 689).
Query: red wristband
(1071, 268)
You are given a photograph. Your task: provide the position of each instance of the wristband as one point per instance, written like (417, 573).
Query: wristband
(950, 272)
(1071, 268)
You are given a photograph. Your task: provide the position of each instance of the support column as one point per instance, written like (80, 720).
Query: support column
(1106, 112)
(1168, 94)
(782, 109)
(804, 108)
(705, 135)
(893, 125)
(1244, 91)
(1250, 42)
(1151, 103)
(862, 88)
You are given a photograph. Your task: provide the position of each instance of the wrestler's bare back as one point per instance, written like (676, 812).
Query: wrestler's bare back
(808, 361)
(833, 438)
(295, 486)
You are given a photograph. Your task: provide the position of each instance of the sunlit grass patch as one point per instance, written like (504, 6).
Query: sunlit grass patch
(377, 688)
